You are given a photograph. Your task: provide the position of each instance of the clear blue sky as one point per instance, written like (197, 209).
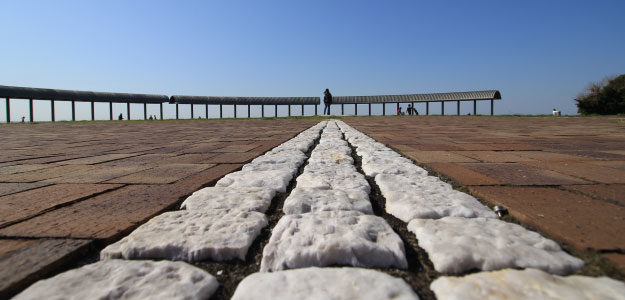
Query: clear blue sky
(539, 54)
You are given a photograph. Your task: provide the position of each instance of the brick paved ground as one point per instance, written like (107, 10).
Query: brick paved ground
(68, 189)
(565, 176)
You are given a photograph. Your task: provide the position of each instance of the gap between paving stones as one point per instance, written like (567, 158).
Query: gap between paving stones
(420, 272)
(594, 264)
(230, 273)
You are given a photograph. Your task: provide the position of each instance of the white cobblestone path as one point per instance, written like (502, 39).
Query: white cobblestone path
(330, 244)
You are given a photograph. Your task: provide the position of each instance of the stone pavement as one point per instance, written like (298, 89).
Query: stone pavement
(68, 189)
(324, 213)
(564, 176)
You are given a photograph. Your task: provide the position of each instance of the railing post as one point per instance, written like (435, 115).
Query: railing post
(342, 109)
(289, 110)
(30, 108)
(206, 113)
(92, 111)
(458, 103)
(73, 110)
(442, 108)
(52, 110)
(302, 110)
(161, 108)
(383, 109)
(275, 110)
(262, 110)
(145, 111)
(111, 110)
(248, 111)
(8, 103)
(492, 104)
(369, 108)
(474, 107)
(356, 108)
(221, 111)
(397, 109)
(315, 109)
(235, 111)
(128, 111)
(413, 107)
(191, 111)
(427, 107)
(176, 111)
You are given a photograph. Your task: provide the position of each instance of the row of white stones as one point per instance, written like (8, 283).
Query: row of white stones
(460, 234)
(215, 223)
(328, 221)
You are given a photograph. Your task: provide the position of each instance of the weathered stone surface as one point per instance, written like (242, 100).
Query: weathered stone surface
(16, 187)
(427, 197)
(462, 174)
(437, 156)
(23, 262)
(456, 245)
(332, 238)
(303, 200)
(120, 279)
(526, 284)
(323, 283)
(218, 234)
(326, 177)
(373, 167)
(244, 199)
(282, 161)
(519, 174)
(274, 179)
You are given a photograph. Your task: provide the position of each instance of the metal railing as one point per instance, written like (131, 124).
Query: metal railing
(30, 94)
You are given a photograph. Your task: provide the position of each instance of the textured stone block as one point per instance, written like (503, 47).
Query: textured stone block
(244, 199)
(456, 245)
(303, 200)
(332, 238)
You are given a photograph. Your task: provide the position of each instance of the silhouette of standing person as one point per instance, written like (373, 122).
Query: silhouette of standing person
(327, 100)
(121, 117)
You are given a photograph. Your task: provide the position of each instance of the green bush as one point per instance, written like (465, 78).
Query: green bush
(604, 98)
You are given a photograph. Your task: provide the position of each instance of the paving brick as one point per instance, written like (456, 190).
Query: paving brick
(582, 221)
(29, 261)
(584, 170)
(204, 178)
(101, 174)
(22, 168)
(462, 175)
(144, 159)
(616, 258)
(162, 174)
(54, 172)
(106, 216)
(547, 156)
(190, 158)
(616, 164)
(97, 159)
(612, 192)
(234, 157)
(494, 156)
(519, 174)
(12, 188)
(30, 203)
(236, 148)
(437, 156)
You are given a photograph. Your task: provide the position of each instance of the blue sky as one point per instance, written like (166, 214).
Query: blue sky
(539, 54)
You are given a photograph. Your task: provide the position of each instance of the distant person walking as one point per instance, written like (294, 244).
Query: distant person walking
(410, 109)
(121, 117)
(327, 100)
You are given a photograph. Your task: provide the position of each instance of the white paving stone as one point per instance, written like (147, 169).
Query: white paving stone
(245, 199)
(217, 235)
(427, 198)
(332, 238)
(303, 200)
(382, 166)
(323, 283)
(274, 179)
(331, 156)
(119, 279)
(526, 284)
(456, 245)
(279, 161)
(333, 179)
